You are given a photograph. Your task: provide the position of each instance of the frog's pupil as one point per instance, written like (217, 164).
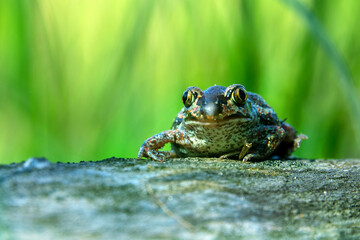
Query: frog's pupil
(242, 94)
(188, 98)
(239, 96)
(185, 97)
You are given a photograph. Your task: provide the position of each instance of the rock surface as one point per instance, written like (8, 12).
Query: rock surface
(180, 199)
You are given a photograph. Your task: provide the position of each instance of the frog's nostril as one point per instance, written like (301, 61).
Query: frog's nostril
(210, 110)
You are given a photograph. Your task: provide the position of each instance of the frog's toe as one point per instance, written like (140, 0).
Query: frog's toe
(225, 156)
(159, 156)
(143, 152)
(297, 141)
(154, 154)
(229, 155)
(249, 157)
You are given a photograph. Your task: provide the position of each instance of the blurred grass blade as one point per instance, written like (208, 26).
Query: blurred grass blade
(345, 80)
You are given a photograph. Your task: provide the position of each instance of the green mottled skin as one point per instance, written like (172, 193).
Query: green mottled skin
(214, 126)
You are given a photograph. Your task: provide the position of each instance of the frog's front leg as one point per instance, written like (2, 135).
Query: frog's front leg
(149, 149)
(272, 136)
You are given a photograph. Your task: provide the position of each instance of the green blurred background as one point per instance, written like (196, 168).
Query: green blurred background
(91, 79)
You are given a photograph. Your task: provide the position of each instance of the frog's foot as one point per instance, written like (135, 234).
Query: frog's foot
(156, 155)
(229, 155)
(250, 156)
(149, 149)
(297, 141)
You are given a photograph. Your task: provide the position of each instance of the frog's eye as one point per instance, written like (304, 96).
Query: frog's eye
(188, 98)
(190, 95)
(238, 94)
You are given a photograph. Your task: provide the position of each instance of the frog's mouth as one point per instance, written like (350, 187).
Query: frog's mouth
(218, 120)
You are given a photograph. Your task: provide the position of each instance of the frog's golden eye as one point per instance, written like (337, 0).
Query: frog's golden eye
(239, 96)
(188, 98)
(190, 95)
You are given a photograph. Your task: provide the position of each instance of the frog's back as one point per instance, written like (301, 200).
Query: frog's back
(257, 100)
(266, 114)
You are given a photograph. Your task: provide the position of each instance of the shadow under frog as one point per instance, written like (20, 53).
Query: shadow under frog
(224, 122)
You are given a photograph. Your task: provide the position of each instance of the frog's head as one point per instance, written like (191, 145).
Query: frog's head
(217, 104)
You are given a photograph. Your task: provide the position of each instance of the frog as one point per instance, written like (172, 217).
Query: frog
(224, 122)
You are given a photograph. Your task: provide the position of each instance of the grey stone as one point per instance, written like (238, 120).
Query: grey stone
(193, 198)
